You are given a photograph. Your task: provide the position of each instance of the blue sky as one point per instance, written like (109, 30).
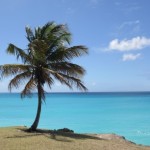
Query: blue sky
(115, 31)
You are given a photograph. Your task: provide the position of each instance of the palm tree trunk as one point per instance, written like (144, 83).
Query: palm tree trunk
(36, 121)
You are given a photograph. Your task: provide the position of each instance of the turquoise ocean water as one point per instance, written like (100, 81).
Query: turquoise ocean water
(126, 114)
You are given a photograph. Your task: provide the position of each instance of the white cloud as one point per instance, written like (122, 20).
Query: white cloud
(129, 23)
(130, 57)
(130, 27)
(135, 43)
(127, 28)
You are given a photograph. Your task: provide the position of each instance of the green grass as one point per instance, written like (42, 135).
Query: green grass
(15, 138)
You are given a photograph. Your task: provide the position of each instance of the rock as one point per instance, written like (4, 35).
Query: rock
(65, 130)
(111, 136)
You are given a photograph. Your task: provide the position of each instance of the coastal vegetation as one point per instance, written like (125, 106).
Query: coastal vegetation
(47, 57)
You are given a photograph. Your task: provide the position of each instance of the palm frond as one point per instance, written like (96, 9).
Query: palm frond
(14, 50)
(37, 33)
(68, 68)
(75, 51)
(59, 29)
(60, 41)
(29, 87)
(67, 80)
(74, 81)
(59, 77)
(56, 55)
(13, 69)
(63, 54)
(46, 29)
(18, 80)
(48, 79)
(30, 34)
(38, 51)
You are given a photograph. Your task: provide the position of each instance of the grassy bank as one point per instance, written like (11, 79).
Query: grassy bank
(15, 138)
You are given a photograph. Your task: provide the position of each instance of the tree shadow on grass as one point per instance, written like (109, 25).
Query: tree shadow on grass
(55, 135)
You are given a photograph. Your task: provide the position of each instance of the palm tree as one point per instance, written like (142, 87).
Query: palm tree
(47, 57)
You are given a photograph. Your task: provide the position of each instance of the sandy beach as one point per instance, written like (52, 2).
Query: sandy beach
(15, 138)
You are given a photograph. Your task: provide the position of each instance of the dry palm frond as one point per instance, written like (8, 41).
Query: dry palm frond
(19, 53)
(29, 87)
(18, 79)
(13, 69)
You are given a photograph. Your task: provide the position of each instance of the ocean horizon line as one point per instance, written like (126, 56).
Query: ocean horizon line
(102, 92)
(90, 92)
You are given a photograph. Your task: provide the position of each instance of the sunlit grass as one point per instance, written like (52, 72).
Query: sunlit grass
(15, 138)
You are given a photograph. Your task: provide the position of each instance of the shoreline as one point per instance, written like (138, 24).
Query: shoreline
(107, 136)
(17, 135)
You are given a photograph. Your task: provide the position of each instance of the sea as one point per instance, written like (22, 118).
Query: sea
(123, 113)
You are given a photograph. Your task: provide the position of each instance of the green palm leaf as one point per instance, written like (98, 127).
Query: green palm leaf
(63, 53)
(19, 53)
(67, 68)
